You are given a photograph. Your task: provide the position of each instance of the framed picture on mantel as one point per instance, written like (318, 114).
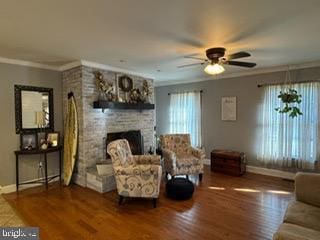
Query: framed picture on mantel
(229, 108)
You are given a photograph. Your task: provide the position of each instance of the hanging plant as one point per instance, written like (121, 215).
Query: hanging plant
(290, 98)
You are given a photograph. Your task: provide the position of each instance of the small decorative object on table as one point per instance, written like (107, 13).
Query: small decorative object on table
(228, 162)
(28, 141)
(53, 139)
(43, 144)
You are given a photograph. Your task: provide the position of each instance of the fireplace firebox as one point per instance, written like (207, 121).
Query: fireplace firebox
(134, 138)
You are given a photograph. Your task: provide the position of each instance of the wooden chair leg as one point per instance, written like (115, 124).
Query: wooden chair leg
(121, 198)
(154, 200)
(200, 177)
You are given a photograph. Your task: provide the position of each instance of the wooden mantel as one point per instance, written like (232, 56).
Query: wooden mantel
(122, 105)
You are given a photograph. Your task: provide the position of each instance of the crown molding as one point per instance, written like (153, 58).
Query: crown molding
(71, 65)
(157, 83)
(101, 66)
(28, 64)
(241, 74)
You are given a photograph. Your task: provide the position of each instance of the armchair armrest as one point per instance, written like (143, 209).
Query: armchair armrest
(138, 170)
(307, 188)
(197, 152)
(170, 158)
(146, 159)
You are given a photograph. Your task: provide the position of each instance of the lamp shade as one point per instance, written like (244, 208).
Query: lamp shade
(214, 69)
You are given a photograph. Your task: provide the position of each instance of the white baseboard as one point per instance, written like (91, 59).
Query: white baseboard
(263, 171)
(271, 172)
(12, 187)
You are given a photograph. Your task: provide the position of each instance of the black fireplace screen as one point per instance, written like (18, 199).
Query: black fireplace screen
(134, 138)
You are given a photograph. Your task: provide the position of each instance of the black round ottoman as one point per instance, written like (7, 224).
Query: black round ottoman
(179, 188)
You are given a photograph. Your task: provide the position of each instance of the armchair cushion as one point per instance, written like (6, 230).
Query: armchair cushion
(120, 153)
(146, 159)
(139, 181)
(178, 143)
(188, 161)
(142, 170)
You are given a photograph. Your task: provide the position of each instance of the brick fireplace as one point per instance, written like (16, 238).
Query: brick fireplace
(134, 138)
(95, 125)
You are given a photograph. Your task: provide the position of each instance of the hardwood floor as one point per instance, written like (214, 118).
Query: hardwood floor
(222, 207)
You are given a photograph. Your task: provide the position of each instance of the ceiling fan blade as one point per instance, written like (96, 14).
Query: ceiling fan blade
(238, 55)
(192, 64)
(241, 64)
(202, 59)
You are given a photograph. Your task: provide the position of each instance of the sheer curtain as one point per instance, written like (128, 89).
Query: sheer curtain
(290, 142)
(185, 115)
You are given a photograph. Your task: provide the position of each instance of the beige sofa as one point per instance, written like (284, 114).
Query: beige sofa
(302, 218)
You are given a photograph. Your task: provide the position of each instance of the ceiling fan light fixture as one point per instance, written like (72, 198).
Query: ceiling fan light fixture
(214, 69)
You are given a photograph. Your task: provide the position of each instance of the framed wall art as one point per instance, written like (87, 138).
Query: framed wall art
(28, 141)
(229, 108)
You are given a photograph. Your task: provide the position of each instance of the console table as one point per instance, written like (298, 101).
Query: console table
(40, 152)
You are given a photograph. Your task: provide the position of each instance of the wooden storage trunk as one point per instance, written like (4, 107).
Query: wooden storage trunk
(228, 162)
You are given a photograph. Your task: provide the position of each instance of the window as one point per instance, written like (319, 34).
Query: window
(290, 142)
(185, 115)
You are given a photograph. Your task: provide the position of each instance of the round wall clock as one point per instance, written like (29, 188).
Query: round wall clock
(125, 83)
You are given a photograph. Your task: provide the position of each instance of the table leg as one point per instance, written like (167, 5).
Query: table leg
(46, 170)
(17, 172)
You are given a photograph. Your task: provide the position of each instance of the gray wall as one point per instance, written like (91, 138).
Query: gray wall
(10, 141)
(241, 134)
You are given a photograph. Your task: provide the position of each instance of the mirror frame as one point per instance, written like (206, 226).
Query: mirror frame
(18, 109)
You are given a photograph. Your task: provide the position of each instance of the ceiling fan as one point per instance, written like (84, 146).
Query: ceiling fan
(216, 59)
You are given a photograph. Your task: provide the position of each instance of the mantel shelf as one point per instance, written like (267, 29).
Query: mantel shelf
(121, 105)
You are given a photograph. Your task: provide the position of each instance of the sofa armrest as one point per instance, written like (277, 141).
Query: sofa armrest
(137, 170)
(146, 159)
(307, 188)
(197, 152)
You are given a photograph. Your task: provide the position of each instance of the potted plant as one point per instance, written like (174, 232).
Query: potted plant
(291, 99)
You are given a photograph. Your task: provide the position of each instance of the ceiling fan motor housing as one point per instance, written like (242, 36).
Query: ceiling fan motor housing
(215, 53)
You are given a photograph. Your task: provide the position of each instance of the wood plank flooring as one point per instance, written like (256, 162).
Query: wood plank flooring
(222, 207)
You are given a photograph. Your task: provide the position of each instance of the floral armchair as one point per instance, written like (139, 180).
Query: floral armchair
(136, 175)
(180, 158)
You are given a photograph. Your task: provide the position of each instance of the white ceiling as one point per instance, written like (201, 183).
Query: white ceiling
(156, 34)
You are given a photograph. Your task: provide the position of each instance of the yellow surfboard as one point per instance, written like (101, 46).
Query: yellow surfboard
(70, 139)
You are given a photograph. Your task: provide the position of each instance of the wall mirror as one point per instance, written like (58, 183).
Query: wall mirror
(33, 109)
